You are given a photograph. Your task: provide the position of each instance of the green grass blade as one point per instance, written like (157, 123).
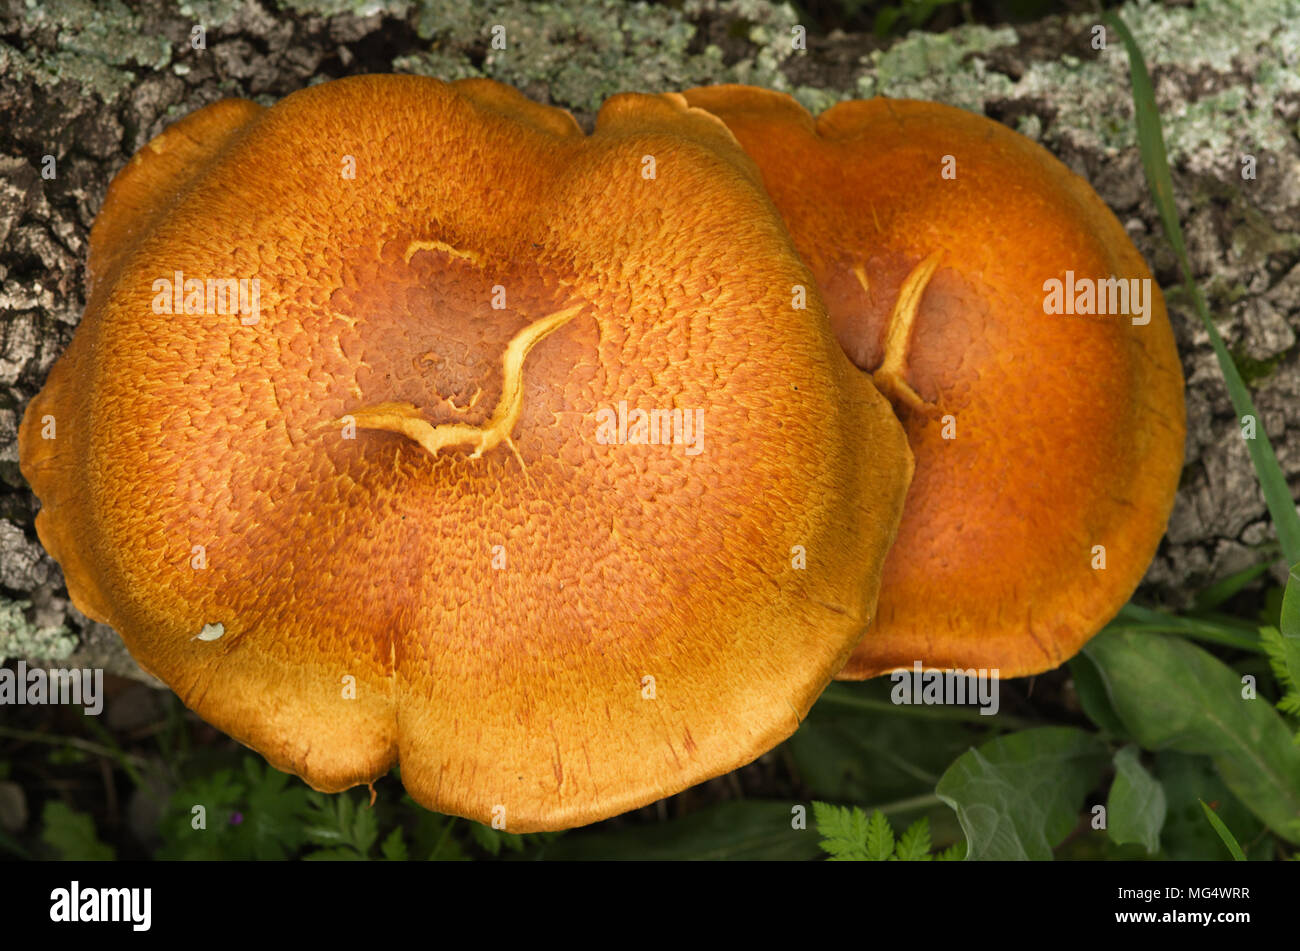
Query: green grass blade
(1216, 630)
(1151, 143)
(1283, 647)
(1225, 589)
(1290, 622)
(1230, 840)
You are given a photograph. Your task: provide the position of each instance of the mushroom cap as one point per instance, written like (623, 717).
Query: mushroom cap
(392, 519)
(1066, 431)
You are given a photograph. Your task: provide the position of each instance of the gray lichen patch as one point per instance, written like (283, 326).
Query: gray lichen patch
(92, 42)
(1219, 68)
(579, 54)
(947, 67)
(23, 638)
(328, 8)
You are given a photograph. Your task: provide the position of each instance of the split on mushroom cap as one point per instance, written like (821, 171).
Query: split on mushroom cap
(1044, 443)
(371, 516)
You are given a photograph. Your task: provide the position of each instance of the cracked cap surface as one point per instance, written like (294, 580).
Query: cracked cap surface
(386, 504)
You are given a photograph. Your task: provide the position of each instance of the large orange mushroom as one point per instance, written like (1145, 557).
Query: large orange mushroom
(408, 423)
(1002, 307)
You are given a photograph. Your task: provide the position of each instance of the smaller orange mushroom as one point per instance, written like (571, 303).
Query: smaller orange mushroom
(997, 301)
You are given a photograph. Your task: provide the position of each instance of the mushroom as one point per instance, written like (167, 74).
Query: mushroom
(498, 466)
(959, 262)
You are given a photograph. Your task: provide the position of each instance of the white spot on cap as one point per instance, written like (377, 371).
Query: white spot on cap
(211, 632)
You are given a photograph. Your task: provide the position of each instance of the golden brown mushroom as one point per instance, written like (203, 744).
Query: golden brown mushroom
(399, 503)
(1048, 445)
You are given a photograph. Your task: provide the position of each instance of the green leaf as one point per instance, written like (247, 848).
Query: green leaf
(394, 848)
(1151, 144)
(880, 838)
(1234, 847)
(850, 835)
(747, 829)
(337, 820)
(1187, 779)
(1283, 646)
(1092, 696)
(274, 810)
(857, 746)
(432, 837)
(72, 834)
(1135, 811)
(1284, 659)
(886, 17)
(1018, 796)
(66, 756)
(845, 832)
(1218, 629)
(493, 840)
(1173, 695)
(953, 853)
(914, 846)
(365, 830)
(217, 793)
(1289, 622)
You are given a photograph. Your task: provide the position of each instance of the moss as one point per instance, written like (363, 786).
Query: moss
(1256, 371)
(20, 638)
(1254, 237)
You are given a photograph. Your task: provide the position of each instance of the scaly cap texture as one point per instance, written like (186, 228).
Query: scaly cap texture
(401, 506)
(1047, 445)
